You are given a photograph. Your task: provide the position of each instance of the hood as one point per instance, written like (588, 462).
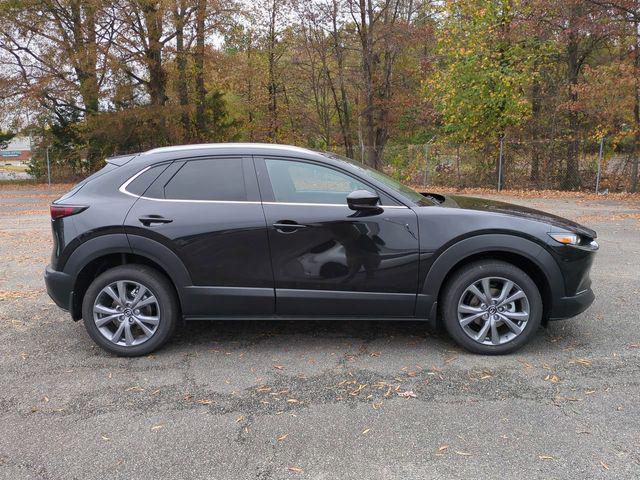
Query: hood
(494, 206)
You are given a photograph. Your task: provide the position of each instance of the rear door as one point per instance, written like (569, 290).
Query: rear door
(328, 259)
(208, 211)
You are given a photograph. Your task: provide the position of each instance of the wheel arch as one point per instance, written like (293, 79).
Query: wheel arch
(525, 254)
(102, 253)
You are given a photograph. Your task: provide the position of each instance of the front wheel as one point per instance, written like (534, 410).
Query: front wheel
(491, 307)
(130, 310)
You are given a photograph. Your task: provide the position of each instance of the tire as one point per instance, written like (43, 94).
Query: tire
(466, 314)
(149, 328)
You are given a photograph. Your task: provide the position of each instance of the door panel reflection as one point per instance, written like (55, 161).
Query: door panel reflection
(341, 250)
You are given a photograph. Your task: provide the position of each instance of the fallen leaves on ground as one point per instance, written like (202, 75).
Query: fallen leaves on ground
(296, 470)
(21, 294)
(608, 217)
(552, 378)
(525, 364)
(538, 194)
(580, 361)
(407, 394)
(358, 389)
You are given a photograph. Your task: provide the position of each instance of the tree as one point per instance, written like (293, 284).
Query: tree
(580, 32)
(629, 11)
(382, 31)
(5, 138)
(484, 71)
(55, 52)
(181, 15)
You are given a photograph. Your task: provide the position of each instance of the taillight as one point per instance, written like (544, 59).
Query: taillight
(61, 211)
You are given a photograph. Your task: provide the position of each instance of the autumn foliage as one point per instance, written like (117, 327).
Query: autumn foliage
(376, 80)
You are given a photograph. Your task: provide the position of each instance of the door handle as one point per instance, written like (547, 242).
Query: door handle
(147, 220)
(287, 226)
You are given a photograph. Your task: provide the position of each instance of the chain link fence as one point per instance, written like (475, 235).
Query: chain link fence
(514, 165)
(587, 165)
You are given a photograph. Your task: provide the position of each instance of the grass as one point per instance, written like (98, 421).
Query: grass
(13, 168)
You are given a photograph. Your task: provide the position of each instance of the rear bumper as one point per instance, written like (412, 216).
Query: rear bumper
(567, 307)
(59, 287)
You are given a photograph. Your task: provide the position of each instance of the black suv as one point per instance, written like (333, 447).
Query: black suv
(251, 231)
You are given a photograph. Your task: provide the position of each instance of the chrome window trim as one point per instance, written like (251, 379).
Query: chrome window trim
(297, 204)
(123, 189)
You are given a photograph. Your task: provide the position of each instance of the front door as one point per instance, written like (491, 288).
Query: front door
(328, 259)
(208, 212)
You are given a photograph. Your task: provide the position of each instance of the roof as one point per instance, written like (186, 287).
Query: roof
(19, 143)
(227, 146)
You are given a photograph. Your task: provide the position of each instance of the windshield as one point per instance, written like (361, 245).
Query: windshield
(392, 183)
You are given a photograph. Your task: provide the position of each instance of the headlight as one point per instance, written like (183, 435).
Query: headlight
(566, 238)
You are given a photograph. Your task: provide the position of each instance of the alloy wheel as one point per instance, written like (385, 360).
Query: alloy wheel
(126, 313)
(493, 310)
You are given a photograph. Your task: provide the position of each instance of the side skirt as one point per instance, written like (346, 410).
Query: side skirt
(298, 317)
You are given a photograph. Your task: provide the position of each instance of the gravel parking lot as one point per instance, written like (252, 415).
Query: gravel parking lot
(271, 400)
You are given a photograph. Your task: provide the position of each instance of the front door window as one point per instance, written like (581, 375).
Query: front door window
(300, 182)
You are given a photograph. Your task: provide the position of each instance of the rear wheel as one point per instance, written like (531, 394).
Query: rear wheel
(130, 310)
(491, 307)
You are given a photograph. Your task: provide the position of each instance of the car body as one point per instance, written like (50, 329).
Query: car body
(254, 231)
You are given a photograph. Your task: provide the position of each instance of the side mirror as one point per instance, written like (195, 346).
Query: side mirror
(363, 200)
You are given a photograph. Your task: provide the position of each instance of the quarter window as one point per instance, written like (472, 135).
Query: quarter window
(140, 184)
(211, 179)
(301, 182)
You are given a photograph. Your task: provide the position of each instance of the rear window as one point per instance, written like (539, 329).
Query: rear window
(211, 179)
(76, 188)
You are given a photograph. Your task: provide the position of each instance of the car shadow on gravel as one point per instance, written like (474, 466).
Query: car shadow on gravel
(231, 333)
(202, 333)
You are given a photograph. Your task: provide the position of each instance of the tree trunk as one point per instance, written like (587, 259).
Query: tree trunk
(633, 187)
(157, 75)
(368, 60)
(181, 65)
(272, 85)
(379, 51)
(201, 93)
(249, 77)
(342, 103)
(86, 55)
(572, 175)
(86, 49)
(535, 137)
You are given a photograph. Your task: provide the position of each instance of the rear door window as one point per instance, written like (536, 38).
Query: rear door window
(221, 179)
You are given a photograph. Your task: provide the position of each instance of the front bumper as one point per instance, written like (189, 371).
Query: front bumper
(566, 307)
(59, 287)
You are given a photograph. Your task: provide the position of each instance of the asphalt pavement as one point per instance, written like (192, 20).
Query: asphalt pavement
(320, 400)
